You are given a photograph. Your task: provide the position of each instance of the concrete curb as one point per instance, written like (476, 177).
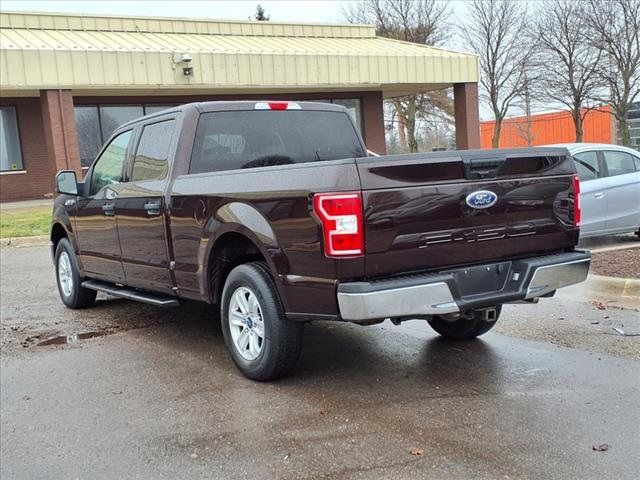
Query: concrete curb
(613, 248)
(34, 241)
(611, 291)
(634, 282)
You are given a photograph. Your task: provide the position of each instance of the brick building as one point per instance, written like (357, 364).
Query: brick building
(67, 81)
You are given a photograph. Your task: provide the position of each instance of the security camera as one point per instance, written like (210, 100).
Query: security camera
(187, 71)
(185, 58)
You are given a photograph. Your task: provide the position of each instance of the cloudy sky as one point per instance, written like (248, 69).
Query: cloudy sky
(324, 11)
(299, 11)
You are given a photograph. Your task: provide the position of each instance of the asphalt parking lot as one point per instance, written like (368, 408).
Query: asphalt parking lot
(153, 394)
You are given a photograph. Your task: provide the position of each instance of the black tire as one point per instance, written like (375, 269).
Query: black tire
(78, 296)
(464, 328)
(282, 342)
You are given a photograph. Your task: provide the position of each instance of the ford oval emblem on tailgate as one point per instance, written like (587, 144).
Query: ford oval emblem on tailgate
(482, 199)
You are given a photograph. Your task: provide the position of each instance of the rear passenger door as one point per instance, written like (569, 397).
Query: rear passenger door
(141, 209)
(623, 190)
(593, 192)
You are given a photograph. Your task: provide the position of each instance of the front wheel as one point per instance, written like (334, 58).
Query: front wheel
(73, 295)
(262, 342)
(465, 328)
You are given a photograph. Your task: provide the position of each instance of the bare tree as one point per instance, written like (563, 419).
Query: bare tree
(494, 31)
(566, 63)
(614, 28)
(417, 21)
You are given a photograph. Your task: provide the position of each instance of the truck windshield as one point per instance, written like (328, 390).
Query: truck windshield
(260, 138)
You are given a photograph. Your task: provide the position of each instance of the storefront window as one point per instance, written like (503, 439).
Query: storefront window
(89, 136)
(10, 151)
(112, 116)
(96, 123)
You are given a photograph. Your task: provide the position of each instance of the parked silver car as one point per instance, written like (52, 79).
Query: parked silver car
(609, 188)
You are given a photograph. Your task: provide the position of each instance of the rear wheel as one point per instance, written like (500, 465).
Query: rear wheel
(262, 342)
(73, 295)
(466, 327)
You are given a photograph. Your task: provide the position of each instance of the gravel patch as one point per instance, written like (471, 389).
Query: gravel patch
(619, 263)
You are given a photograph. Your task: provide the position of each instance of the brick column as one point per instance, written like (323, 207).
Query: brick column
(373, 122)
(465, 102)
(60, 132)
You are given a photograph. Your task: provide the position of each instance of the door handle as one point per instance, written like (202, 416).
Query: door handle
(599, 194)
(152, 208)
(109, 209)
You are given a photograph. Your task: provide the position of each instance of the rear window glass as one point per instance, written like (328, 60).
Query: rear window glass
(250, 139)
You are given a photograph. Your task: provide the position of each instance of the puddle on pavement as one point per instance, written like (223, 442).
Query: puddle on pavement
(74, 338)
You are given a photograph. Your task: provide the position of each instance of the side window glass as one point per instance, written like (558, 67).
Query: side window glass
(153, 152)
(587, 165)
(108, 168)
(619, 163)
(637, 160)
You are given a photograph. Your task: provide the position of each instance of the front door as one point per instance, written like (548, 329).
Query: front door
(141, 210)
(96, 229)
(593, 193)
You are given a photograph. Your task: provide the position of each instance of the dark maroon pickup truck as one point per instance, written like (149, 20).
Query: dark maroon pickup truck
(276, 212)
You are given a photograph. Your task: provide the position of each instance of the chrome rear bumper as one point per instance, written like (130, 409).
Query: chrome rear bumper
(461, 289)
(549, 278)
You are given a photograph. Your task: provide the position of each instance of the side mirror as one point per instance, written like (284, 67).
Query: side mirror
(66, 182)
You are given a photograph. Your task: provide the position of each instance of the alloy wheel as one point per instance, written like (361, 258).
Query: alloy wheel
(246, 323)
(65, 274)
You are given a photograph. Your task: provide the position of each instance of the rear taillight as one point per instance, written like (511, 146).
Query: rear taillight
(342, 225)
(576, 201)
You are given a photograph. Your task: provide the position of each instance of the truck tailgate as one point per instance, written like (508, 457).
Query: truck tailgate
(426, 211)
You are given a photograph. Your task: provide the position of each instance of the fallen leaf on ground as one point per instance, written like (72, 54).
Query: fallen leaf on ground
(194, 455)
(600, 448)
(417, 451)
(599, 305)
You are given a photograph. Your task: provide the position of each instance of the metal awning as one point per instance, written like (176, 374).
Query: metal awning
(104, 55)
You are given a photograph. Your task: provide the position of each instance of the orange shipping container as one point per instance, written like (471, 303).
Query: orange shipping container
(548, 128)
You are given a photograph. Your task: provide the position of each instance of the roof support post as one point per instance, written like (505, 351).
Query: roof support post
(60, 132)
(467, 117)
